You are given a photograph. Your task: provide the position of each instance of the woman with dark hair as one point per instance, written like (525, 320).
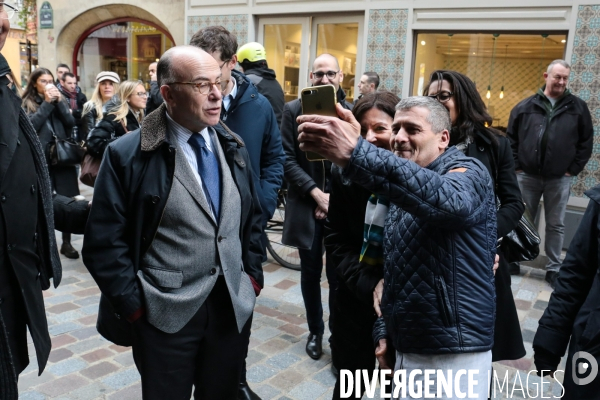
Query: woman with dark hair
(353, 237)
(472, 133)
(50, 115)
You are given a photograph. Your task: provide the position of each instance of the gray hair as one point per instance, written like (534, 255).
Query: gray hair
(559, 62)
(438, 117)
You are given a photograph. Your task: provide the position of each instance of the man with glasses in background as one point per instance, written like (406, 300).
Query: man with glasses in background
(178, 260)
(249, 114)
(307, 205)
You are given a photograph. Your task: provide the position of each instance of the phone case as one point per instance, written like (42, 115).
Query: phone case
(318, 100)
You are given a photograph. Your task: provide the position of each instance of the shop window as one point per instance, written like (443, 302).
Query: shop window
(282, 44)
(127, 48)
(506, 67)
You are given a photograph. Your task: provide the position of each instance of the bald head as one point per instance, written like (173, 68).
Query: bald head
(173, 66)
(326, 71)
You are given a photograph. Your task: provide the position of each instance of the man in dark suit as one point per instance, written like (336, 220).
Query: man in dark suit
(178, 254)
(28, 252)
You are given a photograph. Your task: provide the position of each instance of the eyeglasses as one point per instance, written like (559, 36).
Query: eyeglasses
(321, 74)
(442, 96)
(44, 82)
(7, 11)
(205, 87)
(142, 94)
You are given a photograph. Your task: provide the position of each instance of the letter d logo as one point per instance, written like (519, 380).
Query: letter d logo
(590, 364)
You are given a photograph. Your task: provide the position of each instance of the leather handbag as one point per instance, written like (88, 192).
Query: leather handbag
(90, 166)
(63, 152)
(523, 242)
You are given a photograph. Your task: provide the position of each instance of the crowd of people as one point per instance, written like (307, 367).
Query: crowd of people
(409, 206)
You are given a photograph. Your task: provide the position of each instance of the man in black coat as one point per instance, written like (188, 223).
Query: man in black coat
(552, 136)
(154, 97)
(307, 204)
(572, 315)
(28, 251)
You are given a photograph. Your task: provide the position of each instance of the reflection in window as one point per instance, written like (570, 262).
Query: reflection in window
(127, 48)
(282, 44)
(509, 66)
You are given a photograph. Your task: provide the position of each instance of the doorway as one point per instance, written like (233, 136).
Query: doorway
(293, 43)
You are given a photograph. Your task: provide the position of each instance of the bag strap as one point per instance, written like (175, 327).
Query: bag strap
(124, 126)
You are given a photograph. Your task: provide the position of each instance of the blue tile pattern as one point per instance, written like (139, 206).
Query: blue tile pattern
(386, 46)
(235, 23)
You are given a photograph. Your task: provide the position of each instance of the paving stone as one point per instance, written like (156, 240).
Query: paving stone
(87, 284)
(67, 316)
(540, 305)
(272, 322)
(266, 392)
(119, 349)
(58, 299)
(267, 302)
(63, 328)
(122, 379)
(87, 345)
(528, 335)
(61, 308)
(292, 319)
(265, 333)
(522, 304)
(97, 355)
(273, 346)
(67, 367)
(266, 310)
(133, 392)
(254, 357)
(285, 284)
(283, 361)
(325, 377)
(544, 295)
(286, 380)
(89, 320)
(259, 373)
(293, 329)
(31, 395)
(90, 392)
(88, 301)
(125, 359)
(31, 379)
(62, 340)
(59, 355)
(308, 391)
(62, 385)
(100, 370)
(87, 292)
(85, 333)
(526, 295)
(531, 324)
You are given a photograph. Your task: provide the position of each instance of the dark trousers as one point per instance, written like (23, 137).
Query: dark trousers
(208, 353)
(311, 265)
(352, 342)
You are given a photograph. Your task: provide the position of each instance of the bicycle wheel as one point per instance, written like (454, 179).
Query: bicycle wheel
(286, 256)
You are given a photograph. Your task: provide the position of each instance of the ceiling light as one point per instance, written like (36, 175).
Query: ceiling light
(563, 41)
(423, 43)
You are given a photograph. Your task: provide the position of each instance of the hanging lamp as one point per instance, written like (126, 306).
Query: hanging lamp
(503, 73)
(489, 88)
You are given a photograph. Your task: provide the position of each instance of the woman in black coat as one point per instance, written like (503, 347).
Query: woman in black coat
(50, 115)
(471, 134)
(107, 85)
(352, 344)
(124, 114)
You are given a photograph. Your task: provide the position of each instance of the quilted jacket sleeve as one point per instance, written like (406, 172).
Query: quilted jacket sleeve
(454, 200)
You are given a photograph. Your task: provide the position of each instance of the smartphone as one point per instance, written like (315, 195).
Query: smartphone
(318, 100)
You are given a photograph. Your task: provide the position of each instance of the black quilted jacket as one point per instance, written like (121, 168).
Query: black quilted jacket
(440, 243)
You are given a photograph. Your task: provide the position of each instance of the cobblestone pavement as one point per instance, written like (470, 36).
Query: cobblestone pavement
(84, 366)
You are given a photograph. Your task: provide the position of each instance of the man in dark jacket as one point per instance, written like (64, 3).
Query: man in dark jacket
(249, 114)
(552, 137)
(177, 255)
(76, 100)
(572, 314)
(252, 57)
(154, 97)
(28, 252)
(308, 203)
(439, 241)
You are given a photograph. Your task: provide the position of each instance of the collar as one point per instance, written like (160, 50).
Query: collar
(154, 131)
(234, 91)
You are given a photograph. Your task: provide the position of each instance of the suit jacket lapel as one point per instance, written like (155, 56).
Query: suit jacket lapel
(9, 128)
(184, 174)
(227, 184)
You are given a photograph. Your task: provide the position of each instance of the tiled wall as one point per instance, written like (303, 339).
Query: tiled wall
(236, 24)
(386, 46)
(585, 83)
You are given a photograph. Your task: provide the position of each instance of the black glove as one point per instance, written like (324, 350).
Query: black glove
(545, 360)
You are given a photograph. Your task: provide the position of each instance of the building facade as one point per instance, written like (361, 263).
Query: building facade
(504, 48)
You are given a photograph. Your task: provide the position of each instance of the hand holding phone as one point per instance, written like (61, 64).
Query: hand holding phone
(318, 100)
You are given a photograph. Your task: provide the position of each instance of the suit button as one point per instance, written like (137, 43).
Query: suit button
(155, 199)
(3, 198)
(32, 189)
(118, 316)
(213, 271)
(220, 239)
(9, 247)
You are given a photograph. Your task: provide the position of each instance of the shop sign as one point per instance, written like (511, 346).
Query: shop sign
(46, 16)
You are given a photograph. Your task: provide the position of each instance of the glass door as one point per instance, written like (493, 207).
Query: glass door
(286, 43)
(342, 38)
